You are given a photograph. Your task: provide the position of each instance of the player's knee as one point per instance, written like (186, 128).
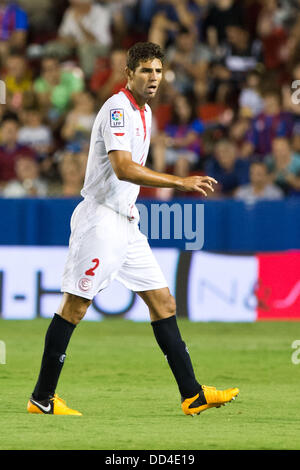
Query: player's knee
(167, 308)
(75, 316)
(74, 309)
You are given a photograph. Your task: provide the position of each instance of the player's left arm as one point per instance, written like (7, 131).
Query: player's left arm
(127, 170)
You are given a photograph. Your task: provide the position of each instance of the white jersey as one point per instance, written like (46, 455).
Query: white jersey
(120, 125)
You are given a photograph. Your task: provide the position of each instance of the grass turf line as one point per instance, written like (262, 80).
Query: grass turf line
(116, 375)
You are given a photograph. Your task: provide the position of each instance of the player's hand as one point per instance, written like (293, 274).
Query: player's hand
(197, 183)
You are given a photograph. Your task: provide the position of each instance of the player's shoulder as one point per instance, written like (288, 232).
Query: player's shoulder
(118, 107)
(118, 100)
(114, 111)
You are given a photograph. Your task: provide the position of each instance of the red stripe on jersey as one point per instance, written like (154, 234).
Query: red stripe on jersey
(131, 98)
(142, 113)
(119, 133)
(141, 110)
(142, 162)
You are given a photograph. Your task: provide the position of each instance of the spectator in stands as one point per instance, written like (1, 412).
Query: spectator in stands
(179, 146)
(199, 10)
(188, 59)
(34, 133)
(295, 140)
(10, 150)
(56, 87)
(271, 31)
(144, 12)
(240, 54)
(238, 109)
(259, 187)
(85, 29)
(233, 61)
(27, 181)
(18, 80)
(49, 171)
(79, 121)
(71, 171)
(238, 132)
(126, 19)
(271, 123)
(222, 13)
(168, 17)
(227, 168)
(213, 99)
(284, 165)
(106, 81)
(250, 99)
(41, 17)
(13, 28)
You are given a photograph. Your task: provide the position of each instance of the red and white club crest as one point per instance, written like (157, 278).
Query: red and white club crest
(85, 284)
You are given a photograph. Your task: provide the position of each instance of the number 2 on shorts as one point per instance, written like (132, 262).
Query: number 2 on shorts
(90, 272)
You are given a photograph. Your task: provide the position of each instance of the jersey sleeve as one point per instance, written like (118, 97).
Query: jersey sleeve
(116, 128)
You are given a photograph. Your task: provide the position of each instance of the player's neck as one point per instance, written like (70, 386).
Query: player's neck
(140, 101)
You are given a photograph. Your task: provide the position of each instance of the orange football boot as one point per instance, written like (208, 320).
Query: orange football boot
(52, 406)
(208, 397)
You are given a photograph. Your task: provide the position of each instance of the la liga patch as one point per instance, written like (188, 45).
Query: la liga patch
(117, 117)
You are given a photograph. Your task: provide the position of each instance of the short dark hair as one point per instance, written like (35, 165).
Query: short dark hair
(10, 116)
(141, 52)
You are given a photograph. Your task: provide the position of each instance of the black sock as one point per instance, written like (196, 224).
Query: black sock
(170, 342)
(57, 339)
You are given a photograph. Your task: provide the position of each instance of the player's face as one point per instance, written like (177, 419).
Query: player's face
(145, 80)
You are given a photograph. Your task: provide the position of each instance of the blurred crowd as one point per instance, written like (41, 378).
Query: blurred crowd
(228, 105)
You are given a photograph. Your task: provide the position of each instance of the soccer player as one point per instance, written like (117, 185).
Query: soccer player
(106, 243)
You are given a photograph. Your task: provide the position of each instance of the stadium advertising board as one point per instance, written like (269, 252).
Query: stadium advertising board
(207, 286)
(278, 289)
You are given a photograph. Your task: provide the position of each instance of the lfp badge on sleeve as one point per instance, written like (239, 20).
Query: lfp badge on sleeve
(117, 118)
(2, 92)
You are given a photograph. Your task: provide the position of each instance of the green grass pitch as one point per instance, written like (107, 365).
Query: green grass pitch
(118, 378)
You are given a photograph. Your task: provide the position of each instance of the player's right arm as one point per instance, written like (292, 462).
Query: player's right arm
(127, 170)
